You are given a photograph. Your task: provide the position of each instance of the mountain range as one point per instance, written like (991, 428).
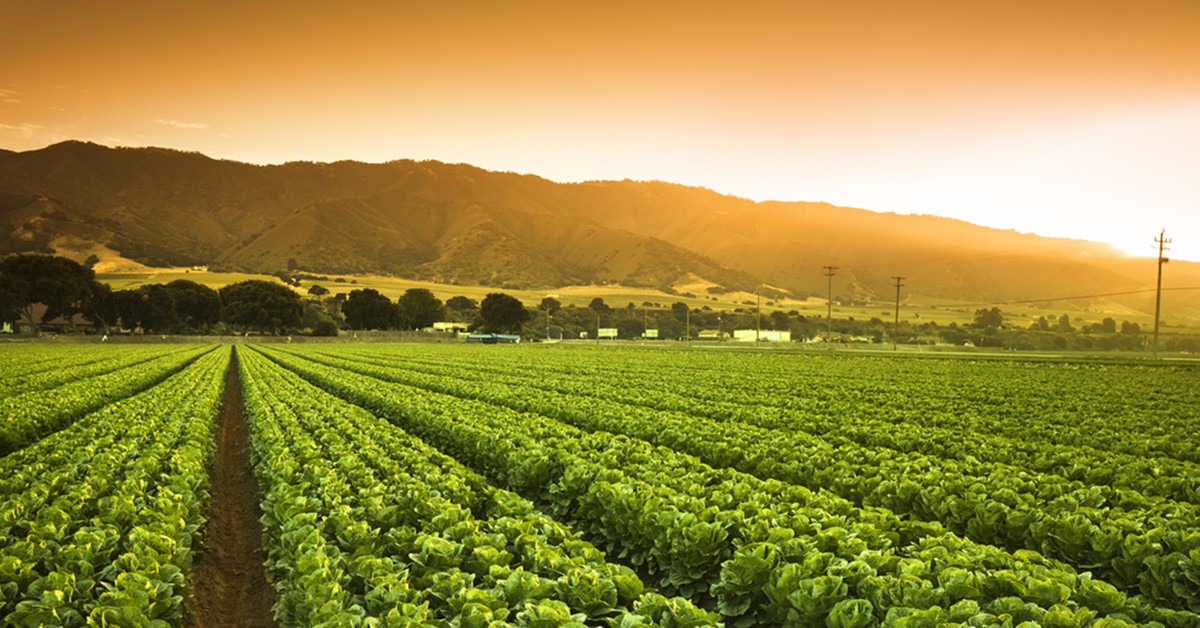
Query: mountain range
(455, 223)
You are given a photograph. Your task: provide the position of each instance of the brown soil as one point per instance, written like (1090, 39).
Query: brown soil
(229, 582)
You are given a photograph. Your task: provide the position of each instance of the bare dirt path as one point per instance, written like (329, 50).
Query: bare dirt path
(229, 582)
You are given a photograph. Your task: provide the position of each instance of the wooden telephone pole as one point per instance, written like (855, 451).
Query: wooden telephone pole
(829, 273)
(896, 324)
(1162, 241)
(757, 314)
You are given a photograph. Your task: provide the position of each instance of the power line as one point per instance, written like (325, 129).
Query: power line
(1068, 298)
(1028, 251)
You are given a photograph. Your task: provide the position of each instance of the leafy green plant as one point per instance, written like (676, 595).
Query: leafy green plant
(108, 508)
(635, 491)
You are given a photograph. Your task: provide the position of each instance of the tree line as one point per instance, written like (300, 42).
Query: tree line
(67, 290)
(39, 289)
(991, 329)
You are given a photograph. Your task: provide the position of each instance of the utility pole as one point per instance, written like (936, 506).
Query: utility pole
(757, 314)
(829, 273)
(597, 327)
(1162, 241)
(896, 325)
(688, 329)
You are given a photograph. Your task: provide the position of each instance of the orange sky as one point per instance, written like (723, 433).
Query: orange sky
(1063, 118)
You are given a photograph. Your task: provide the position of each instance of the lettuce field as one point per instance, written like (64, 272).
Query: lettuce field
(449, 485)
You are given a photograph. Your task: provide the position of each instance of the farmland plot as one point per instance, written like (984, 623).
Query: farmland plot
(98, 519)
(366, 523)
(43, 400)
(594, 437)
(450, 485)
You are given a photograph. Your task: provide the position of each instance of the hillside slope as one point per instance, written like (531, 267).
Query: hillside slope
(456, 223)
(422, 220)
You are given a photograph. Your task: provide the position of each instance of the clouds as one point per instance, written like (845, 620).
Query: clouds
(181, 125)
(9, 96)
(26, 130)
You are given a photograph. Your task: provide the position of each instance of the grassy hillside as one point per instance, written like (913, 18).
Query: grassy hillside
(448, 224)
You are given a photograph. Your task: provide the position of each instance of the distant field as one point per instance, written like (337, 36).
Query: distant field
(617, 296)
(915, 309)
(125, 281)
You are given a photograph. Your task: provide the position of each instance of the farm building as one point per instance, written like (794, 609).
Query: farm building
(766, 335)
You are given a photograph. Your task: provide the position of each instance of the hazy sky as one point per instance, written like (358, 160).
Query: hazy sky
(1073, 119)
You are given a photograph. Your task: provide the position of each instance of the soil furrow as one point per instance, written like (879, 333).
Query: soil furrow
(229, 581)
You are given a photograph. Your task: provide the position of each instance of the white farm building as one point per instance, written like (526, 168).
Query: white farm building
(766, 335)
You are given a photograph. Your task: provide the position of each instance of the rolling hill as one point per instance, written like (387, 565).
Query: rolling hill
(454, 223)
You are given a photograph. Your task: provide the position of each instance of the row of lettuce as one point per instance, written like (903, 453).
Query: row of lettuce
(1140, 408)
(1141, 542)
(99, 520)
(364, 521)
(421, 486)
(1036, 416)
(102, 518)
(758, 548)
(44, 395)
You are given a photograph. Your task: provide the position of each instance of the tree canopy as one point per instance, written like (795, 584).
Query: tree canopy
(11, 300)
(550, 305)
(159, 311)
(419, 308)
(780, 320)
(600, 306)
(125, 308)
(502, 313)
(366, 308)
(989, 319)
(463, 309)
(260, 305)
(462, 304)
(64, 286)
(197, 306)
